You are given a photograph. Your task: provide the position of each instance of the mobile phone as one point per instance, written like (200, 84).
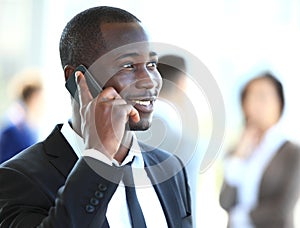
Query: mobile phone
(71, 84)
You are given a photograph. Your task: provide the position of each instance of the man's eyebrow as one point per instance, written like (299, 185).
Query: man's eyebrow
(134, 54)
(152, 53)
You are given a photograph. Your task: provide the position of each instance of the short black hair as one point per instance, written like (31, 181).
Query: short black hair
(82, 41)
(276, 83)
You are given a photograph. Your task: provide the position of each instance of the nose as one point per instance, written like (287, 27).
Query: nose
(145, 79)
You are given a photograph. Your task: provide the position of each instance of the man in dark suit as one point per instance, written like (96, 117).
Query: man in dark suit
(79, 176)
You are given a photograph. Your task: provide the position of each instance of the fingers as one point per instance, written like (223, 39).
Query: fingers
(84, 93)
(110, 94)
(126, 111)
(121, 109)
(134, 114)
(83, 90)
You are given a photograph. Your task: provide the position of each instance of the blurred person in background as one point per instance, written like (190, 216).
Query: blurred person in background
(261, 175)
(20, 123)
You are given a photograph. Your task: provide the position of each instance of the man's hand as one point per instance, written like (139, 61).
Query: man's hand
(103, 119)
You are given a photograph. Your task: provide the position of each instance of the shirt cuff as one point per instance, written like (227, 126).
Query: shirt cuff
(100, 157)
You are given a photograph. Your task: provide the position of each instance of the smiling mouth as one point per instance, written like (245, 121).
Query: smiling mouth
(143, 104)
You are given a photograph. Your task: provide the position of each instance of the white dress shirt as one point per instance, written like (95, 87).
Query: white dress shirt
(117, 212)
(246, 175)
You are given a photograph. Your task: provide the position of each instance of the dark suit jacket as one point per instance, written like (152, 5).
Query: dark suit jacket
(48, 186)
(278, 193)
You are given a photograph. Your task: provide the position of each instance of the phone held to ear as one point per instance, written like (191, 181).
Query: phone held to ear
(94, 87)
(71, 84)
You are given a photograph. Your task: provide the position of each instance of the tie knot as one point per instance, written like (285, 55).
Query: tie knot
(128, 175)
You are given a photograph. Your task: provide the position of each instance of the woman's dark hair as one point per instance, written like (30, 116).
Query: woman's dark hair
(276, 83)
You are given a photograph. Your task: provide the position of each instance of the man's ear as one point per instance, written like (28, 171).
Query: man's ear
(68, 70)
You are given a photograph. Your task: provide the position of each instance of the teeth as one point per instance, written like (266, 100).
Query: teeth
(145, 103)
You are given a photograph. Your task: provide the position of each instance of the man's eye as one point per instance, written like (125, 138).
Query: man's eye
(128, 66)
(152, 64)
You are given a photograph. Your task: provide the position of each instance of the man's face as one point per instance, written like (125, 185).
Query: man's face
(129, 66)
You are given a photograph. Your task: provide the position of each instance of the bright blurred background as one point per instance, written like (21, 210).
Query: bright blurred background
(235, 39)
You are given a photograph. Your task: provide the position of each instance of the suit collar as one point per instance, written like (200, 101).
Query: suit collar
(60, 152)
(75, 141)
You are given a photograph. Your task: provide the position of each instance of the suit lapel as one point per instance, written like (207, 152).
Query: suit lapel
(61, 154)
(165, 191)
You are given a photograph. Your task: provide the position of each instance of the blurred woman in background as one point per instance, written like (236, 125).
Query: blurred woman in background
(262, 174)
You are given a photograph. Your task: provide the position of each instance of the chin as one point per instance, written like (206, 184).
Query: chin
(142, 125)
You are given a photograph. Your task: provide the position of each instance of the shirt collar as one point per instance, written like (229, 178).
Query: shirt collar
(77, 144)
(274, 136)
(73, 139)
(134, 152)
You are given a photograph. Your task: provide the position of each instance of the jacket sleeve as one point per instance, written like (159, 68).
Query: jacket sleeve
(81, 202)
(278, 203)
(231, 176)
(228, 196)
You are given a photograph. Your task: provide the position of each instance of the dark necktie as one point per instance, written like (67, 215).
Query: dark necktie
(136, 214)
